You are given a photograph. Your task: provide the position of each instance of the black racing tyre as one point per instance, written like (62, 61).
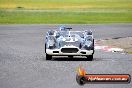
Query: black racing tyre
(93, 47)
(48, 57)
(90, 57)
(45, 48)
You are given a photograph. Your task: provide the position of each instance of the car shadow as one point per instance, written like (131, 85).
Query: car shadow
(70, 59)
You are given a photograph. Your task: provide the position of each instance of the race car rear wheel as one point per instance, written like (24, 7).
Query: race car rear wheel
(48, 57)
(90, 57)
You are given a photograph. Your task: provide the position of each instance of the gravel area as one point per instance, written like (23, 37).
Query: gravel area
(124, 43)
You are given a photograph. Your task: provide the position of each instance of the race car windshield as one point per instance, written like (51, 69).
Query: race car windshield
(77, 33)
(72, 35)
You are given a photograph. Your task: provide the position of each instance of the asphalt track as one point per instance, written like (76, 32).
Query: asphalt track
(23, 64)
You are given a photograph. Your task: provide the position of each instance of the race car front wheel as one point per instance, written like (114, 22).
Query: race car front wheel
(90, 57)
(48, 57)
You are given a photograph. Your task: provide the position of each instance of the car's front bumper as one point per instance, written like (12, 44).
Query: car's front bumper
(57, 52)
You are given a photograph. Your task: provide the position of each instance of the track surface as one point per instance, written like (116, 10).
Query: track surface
(23, 64)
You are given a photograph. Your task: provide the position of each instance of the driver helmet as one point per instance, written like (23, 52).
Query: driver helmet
(62, 28)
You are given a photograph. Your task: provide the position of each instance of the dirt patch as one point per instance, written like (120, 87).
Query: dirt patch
(124, 43)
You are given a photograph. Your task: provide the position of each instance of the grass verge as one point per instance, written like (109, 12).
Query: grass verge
(63, 17)
(129, 52)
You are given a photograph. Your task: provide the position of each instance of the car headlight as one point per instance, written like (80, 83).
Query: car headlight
(88, 45)
(51, 44)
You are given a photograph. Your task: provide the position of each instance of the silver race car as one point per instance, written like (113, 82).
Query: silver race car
(65, 42)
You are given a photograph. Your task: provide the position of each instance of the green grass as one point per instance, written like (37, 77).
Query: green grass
(65, 11)
(129, 52)
(64, 17)
(65, 4)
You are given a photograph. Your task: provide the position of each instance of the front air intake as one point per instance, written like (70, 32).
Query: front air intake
(69, 50)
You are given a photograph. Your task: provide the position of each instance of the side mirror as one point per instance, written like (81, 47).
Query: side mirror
(51, 32)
